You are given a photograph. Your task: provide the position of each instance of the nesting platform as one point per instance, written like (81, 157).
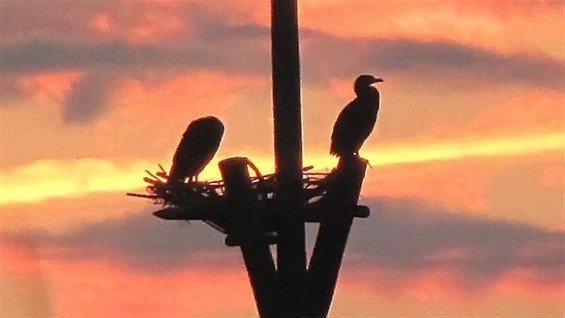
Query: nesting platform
(208, 201)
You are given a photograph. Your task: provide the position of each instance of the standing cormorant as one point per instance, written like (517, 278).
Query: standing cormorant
(198, 145)
(357, 120)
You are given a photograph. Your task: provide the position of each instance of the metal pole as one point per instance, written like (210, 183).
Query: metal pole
(291, 255)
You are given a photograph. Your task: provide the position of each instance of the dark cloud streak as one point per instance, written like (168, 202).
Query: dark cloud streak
(401, 236)
(142, 241)
(412, 236)
(244, 49)
(51, 56)
(435, 62)
(88, 98)
(219, 46)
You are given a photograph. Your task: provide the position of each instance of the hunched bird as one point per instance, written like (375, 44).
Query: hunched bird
(357, 120)
(198, 145)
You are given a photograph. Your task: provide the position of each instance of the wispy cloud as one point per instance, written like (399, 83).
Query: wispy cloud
(437, 62)
(88, 98)
(408, 238)
(208, 41)
(244, 49)
(413, 237)
(325, 57)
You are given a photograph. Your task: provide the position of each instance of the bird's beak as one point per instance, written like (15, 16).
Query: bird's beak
(378, 80)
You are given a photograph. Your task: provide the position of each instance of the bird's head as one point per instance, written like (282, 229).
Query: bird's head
(363, 82)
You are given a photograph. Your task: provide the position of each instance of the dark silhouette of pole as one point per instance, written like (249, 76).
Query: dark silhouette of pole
(339, 204)
(291, 254)
(250, 234)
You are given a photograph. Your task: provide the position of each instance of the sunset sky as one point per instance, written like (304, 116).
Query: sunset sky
(466, 189)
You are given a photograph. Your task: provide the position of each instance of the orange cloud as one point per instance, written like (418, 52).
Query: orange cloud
(534, 111)
(152, 116)
(554, 177)
(527, 284)
(64, 215)
(101, 289)
(24, 290)
(144, 119)
(459, 184)
(484, 23)
(513, 188)
(196, 91)
(432, 293)
(53, 86)
(150, 21)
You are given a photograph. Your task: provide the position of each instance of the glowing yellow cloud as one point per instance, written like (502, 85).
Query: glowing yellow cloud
(504, 146)
(45, 179)
(451, 150)
(60, 178)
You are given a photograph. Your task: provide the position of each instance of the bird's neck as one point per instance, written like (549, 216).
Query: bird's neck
(369, 94)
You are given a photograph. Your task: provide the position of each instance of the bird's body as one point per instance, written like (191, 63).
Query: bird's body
(357, 120)
(197, 147)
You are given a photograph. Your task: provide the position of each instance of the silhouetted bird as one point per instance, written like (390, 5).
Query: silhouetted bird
(198, 145)
(357, 120)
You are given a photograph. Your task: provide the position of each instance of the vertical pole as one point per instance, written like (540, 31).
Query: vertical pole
(291, 254)
(247, 228)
